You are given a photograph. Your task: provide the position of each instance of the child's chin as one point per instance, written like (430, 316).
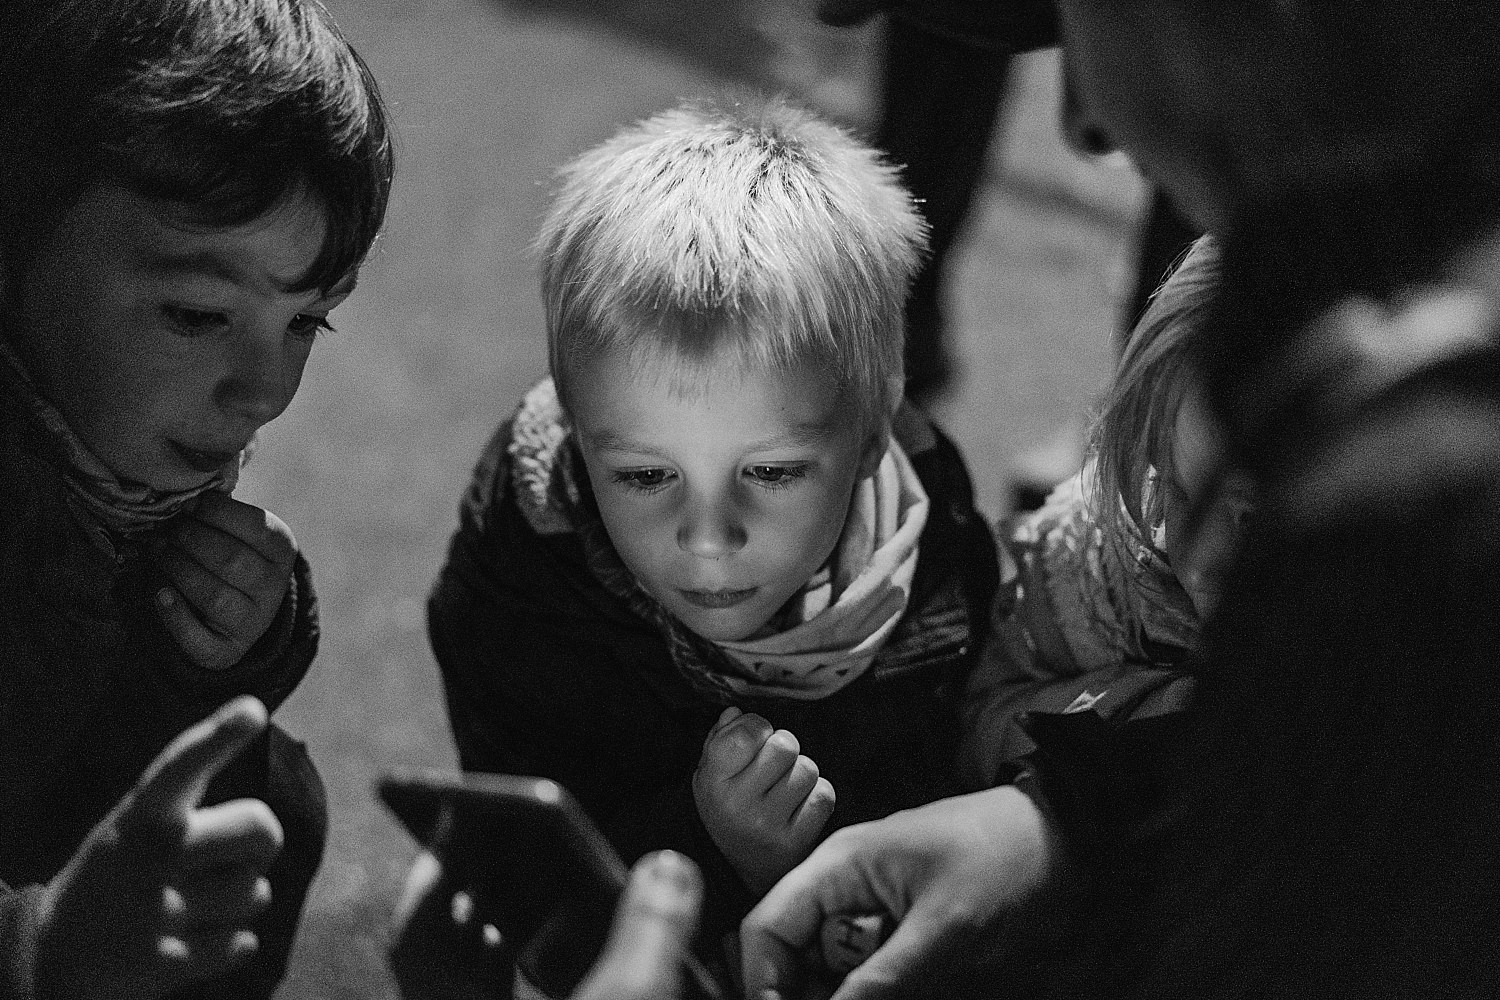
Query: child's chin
(725, 628)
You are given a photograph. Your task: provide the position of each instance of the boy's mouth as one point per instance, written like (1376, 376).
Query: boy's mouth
(713, 599)
(203, 461)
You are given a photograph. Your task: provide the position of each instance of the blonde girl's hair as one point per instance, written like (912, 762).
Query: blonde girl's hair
(747, 224)
(1132, 434)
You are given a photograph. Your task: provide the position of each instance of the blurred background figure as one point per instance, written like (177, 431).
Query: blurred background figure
(942, 81)
(943, 78)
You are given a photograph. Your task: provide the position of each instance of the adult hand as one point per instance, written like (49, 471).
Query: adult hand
(227, 565)
(163, 892)
(653, 930)
(950, 872)
(761, 800)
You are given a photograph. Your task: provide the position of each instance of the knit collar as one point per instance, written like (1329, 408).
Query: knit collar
(841, 619)
(824, 638)
(124, 508)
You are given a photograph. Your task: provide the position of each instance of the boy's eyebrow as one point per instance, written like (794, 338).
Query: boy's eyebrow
(809, 432)
(199, 262)
(216, 265)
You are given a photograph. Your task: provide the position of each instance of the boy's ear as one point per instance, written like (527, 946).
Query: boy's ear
(876, 443)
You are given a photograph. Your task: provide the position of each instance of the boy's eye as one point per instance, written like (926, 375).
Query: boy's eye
(193, 322)
(308, 326)
(643, 479)
(776, 475)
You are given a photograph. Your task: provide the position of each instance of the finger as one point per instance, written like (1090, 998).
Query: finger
(260, 529)
(922, 936)
(225, 556)
(735, 747)
(425, 878)
(218, 601)
(653, 928)
(725, 718)
(777, 756)
(788, 919)
(205, 954)
(174, 782)
(227, 897)
(816, 808)
(203, 645)
(238, 832)
(785, 797)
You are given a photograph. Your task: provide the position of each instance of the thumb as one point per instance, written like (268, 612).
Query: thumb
(653, 930)
(175, 781)
(897, 964)
(733, 744)
(725, 718)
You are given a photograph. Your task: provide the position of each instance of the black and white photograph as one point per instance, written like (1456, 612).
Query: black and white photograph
(767, 499)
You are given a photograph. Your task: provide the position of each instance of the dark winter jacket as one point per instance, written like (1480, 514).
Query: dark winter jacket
(92, 688)
(548, 673)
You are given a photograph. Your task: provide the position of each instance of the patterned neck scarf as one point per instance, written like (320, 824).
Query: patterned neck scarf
(824, 638)
(125, 509)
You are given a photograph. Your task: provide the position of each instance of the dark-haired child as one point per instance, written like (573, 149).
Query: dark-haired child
(187, 189)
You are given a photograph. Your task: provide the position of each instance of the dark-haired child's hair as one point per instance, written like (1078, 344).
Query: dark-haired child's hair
(222, 109)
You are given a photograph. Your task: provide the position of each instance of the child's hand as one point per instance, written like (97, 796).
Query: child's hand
(761, 800)
(162, 892)
(228, 565)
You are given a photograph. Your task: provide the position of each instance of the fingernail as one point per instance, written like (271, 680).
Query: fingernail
(668, 869)
(461, 907)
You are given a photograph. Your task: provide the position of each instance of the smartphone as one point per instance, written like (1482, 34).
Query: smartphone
(533, 865)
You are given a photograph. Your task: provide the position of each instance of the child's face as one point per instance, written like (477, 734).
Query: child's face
(1202, 562)
(726, 500)
(166, 347)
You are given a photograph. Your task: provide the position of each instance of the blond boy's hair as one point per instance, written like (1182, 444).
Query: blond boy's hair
(1133, 431)
(746, 225)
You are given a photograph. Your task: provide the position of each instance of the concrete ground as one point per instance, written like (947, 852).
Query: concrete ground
(488, 96)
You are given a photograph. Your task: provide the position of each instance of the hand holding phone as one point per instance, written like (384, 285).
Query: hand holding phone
(523, 879)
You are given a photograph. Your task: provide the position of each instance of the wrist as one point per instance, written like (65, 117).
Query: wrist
(745, 859)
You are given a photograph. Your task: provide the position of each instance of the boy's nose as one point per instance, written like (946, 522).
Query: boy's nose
(711, 529)
(259, 383)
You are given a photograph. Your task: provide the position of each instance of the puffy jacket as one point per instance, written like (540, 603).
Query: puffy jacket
(548, 673)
